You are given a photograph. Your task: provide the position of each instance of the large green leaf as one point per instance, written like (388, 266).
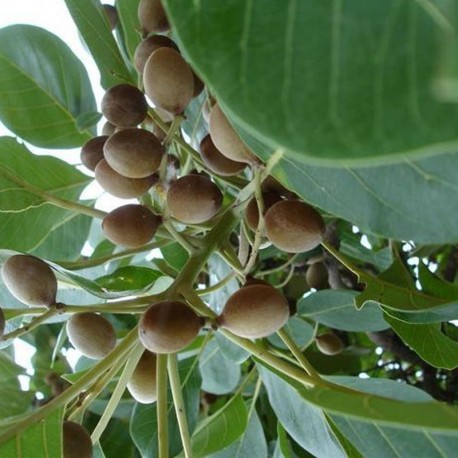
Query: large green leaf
(414, 200)
(306, 424)
(127, 11)
(336, 309)
(94, 28)
(44, 88)
(428, 341)
(23, 180)
(326, 81)
(41, 439)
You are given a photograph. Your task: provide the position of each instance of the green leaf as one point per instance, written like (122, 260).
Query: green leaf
(283, 447)
(251, 444)
(129, 279)
(230, 350)
(22, 203)
(432, 284)
(299, 330)
(305, 423)
(220, 375)
(94, 28)
(221, 429)
(428, 341)
(350, 81)
(143, 424)
(175, 255)
(13, 401)
(43, 439)
(65, 242)
(127, 11)
(44, 88)
(336, 309)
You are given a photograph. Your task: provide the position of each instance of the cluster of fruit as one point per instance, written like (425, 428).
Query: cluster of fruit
(127, 161)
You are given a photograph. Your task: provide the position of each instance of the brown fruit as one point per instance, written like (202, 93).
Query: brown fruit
(317, 276)
(124, 105)
(76, 441)
(168, 80)
(2, 323)
(134, 153)
(111, 14)
(120, 186)
(168, 327)
(255, 311)
(130, 225)
(217, 162)
(226, 139)
(294, 226)
(91, 334)
(329, 344)
(271, 184)
(194, 199)
(92, 151)
(108, 129)
(30, 280)
(142, 384)
(252, 212)
(148, 46)
(151, 16)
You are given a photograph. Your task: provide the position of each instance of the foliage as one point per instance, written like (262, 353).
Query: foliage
(351, 106)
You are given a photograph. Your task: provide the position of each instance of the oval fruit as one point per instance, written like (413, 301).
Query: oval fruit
(131, 225)
(317, 276)
(148, 46)
(142, 383)
(168, 80)
(111, 13)
(124, 105)
(108, 129)
(91, 334)
(255, 311)
(120, 186)
(168, 327)
(294, 226)
(217, 162)
(152, 16)
(76, 441)
(194, 199)
(252, 211)
(329, 344)
(92, 151)
(226, 139)
(133, 153)
(30, 280)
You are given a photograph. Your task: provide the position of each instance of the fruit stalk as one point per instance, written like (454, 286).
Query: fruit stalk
(178, 402)
(162, 420)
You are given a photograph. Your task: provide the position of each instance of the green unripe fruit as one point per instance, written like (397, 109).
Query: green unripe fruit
(168, 80)
(133, 153)
(30, 280)
(120, 186)
(76, 441)
(92, 152)
(329, 344)
(194, 199)
(255, 311)
(317, 276)
(296, 287)
(91, 334)
(124, 105)
(252, 211)
(142, 383)
(217, 162)
(226, 139)
(168, 327)
(151, 16)
(294, 226)
(148, 46)
(2, 323)
(130, 225)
